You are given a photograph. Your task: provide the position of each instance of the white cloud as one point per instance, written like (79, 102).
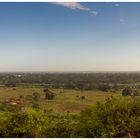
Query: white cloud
(121, 20)
(116, 5)
(76, 5)
(73, 5)
(94, 13)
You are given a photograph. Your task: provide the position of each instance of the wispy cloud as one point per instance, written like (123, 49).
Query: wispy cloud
(73, 5)
(116, 5)
(76, 5)
(94, 13)
(122, 21)
(122, 17)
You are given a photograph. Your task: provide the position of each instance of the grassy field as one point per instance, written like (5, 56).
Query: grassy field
(65, 100)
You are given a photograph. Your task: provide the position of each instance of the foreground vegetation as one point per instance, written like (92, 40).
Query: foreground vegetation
(116, 117)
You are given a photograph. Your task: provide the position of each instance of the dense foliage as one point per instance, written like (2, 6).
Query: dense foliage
(112, 118)
(82, 81)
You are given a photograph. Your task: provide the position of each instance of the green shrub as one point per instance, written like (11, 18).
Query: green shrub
(61, 127)
(36, 96)
(110, 119)
(136, 93)
(25, 124)
(127, 91)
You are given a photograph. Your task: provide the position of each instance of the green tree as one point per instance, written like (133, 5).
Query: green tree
(48, 94)
(36, 96)
(127, 91)
(104, 87)
(26, 124)
(113, 118)
(136, 93)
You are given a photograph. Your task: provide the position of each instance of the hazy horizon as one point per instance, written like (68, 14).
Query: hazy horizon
(67, 37)
(69, 71)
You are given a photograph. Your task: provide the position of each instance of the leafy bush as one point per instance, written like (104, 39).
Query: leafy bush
(61, 127)
(136, 93)
(113, 118)
(36, 96)
(127, 91)
(24, 124)
(110, 119)
(49, 95)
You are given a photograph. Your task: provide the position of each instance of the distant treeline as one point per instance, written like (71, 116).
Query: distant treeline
(87, 81)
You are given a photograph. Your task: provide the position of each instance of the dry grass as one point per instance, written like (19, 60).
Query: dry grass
(65, 100)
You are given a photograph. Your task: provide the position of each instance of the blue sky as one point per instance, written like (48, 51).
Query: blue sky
(69, 36)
